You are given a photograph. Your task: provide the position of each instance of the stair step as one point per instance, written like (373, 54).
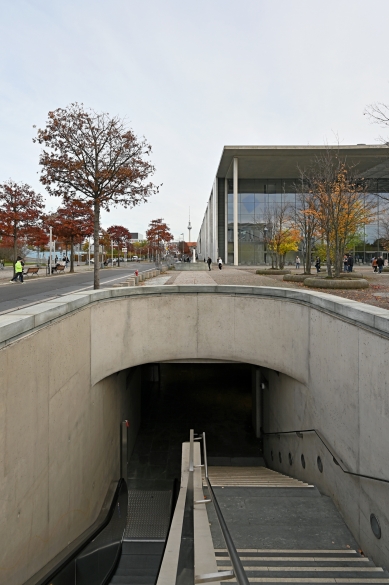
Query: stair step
(259, 476)
(304, 566)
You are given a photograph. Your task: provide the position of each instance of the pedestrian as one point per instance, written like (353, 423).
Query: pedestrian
(18, 270)
(56, 259)
(317, 264)
(209, 262)
(380, 264)
(220, 263)
(297, 263)
(374, 264)
(350, 263)
(345, 265)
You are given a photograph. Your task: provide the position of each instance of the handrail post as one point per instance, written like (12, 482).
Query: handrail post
(205, 456)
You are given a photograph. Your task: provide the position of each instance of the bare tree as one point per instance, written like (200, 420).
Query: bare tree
(94, 157)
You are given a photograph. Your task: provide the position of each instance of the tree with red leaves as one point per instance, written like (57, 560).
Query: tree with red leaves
(71, 223)
(158, 234)
(94, 157)
(21, 211)
(120, 236)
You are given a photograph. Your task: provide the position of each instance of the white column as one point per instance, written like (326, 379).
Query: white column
(225, 221)
(215, 222)
(235, 190)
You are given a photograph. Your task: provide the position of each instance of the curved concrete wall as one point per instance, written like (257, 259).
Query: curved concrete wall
(59, 416)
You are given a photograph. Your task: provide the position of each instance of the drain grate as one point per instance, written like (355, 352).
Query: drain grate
(148, 514)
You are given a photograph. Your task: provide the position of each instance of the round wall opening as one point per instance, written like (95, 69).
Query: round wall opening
(319, 464)
(290, 459)
(375, 525)
(279, 456)
(303, 460)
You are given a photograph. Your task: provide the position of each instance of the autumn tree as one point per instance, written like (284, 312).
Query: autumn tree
(120, 236)
(282, 236)
(71, 223)
(306, 218)
(21, 211)
(158, 234)
(96, 158)
(342, 207)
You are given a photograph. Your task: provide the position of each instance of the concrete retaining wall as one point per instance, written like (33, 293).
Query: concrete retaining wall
(60, 414)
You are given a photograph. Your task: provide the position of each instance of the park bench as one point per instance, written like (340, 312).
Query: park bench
(31, 270)
(58, 268)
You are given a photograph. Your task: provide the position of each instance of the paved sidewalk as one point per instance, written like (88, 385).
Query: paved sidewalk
(199, 277)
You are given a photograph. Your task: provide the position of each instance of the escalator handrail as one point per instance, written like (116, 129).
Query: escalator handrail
(336, 459)
(56, 565)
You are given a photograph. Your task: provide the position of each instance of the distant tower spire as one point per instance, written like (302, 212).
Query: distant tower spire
(189, 227)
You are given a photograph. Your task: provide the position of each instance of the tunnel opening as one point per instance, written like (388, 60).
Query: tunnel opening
(216, 398)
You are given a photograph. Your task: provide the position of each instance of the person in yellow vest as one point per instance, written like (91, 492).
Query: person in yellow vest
(18, 270)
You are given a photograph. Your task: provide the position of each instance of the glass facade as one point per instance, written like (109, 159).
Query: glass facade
(256, 199)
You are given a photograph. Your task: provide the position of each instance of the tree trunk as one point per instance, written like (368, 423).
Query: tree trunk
(72, 254)
(329, 270)
(96, 230)
(308, 251)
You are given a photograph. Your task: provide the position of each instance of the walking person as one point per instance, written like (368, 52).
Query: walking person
(297, 263)
(220, 263)
(18, 270)
(380, 264)
(209, 262)
(345, 260)
(350, 263)
(374, 264)
(317, 264)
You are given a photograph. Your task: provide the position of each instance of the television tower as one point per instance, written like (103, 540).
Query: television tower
(189, 227)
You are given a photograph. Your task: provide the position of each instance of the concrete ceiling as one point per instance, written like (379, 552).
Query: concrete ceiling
(282, 162)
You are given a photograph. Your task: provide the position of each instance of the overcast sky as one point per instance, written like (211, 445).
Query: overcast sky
(191, 77)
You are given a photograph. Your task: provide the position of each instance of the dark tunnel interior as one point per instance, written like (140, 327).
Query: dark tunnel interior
(211, 397)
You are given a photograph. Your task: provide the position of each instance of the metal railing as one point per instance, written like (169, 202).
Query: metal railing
(336, 459)
(186, 559)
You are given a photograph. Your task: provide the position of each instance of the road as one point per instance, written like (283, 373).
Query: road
(16, 295)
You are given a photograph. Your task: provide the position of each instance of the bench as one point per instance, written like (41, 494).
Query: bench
(31, 270)
(58, 268)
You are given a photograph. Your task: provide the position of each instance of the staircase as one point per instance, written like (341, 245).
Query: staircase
(260, 476)
(304, 566)
(285, 531)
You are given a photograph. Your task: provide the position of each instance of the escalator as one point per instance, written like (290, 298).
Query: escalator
(128, 549)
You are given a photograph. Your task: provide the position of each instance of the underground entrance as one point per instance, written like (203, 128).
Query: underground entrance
(212, 397)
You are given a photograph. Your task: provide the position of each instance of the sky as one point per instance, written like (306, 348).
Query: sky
(191, 77)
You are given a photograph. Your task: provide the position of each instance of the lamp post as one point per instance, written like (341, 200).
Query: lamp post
(265, 243)
(50, 247)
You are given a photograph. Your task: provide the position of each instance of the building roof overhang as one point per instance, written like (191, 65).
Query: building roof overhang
(283, 162)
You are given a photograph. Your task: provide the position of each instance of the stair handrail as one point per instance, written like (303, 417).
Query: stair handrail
(239, 571)
(334, 456)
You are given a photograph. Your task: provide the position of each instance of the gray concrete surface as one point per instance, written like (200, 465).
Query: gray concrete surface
(61, 400)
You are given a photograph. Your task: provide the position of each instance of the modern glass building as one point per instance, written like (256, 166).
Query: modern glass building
(250, 180)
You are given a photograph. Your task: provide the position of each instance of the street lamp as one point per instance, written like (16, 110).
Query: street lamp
(265, 241)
